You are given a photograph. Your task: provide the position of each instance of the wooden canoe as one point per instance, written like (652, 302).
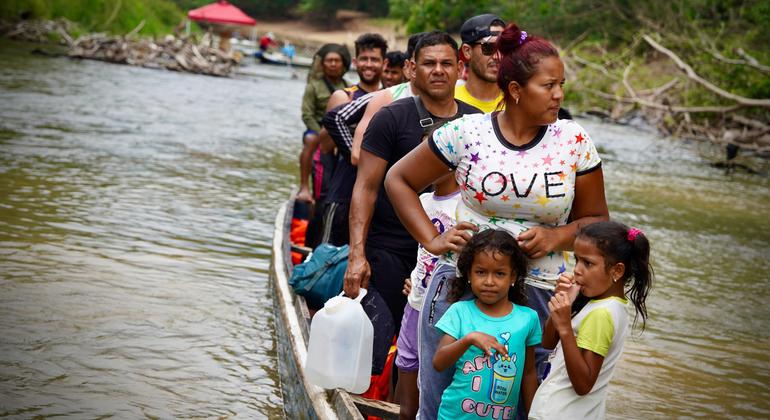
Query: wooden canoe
(303, 400)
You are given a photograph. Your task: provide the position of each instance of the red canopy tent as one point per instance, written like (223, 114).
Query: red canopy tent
(222, 17)
(221, 12)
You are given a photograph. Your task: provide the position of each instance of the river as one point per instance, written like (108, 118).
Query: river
(136, 208)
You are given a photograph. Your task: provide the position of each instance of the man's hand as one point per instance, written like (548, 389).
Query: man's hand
(305, 195)
(356, 275)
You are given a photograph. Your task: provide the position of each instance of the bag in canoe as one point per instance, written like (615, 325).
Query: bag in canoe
(320, 277)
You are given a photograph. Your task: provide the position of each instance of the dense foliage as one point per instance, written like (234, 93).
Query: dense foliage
(115, 16)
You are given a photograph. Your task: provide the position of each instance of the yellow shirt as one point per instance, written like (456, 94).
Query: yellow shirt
(461, 94)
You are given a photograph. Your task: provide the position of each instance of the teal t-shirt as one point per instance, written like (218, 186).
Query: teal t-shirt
(487, 387)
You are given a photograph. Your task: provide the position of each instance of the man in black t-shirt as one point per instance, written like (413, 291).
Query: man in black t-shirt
(382, 252)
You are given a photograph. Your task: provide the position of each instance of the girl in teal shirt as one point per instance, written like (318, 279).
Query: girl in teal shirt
(490, 339)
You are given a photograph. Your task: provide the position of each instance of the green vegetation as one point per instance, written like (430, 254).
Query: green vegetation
(112, 16)
(609, 62)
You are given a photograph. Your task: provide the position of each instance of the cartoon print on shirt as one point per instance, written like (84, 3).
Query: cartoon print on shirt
(503, 373)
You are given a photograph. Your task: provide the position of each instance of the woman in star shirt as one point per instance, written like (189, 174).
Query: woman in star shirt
(520, 169)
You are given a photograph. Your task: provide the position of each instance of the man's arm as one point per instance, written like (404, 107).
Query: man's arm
(379, 100)
(338, 121)
(371, 171)
(338, 98)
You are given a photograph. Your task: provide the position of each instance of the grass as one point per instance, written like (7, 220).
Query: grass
(111, 16)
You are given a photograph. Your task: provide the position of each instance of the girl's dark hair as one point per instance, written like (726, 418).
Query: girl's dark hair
(520, 54)
(618, 243)
(492, 241)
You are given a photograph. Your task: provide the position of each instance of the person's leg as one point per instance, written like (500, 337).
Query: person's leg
(407, 393)
(315, 225)
(310, 143)
(431, 382)
(377, 310)
(340, 233)
(389, 278)
(538, 299)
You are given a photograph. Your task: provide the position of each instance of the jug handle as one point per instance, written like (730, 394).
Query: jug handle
(361, 294)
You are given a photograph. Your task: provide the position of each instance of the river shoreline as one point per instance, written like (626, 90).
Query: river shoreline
(729, 127)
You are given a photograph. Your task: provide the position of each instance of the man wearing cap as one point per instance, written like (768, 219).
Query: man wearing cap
(479, 35)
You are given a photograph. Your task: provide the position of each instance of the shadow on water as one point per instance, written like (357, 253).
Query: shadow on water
(136, 208)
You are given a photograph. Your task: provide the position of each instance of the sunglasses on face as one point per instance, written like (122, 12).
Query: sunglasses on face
(487, 48)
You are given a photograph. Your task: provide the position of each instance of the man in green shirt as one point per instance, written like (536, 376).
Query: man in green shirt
(330, 64)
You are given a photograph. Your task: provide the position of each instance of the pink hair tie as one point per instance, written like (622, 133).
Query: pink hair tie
(633, 233)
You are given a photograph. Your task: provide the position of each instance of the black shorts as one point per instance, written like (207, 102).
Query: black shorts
(389, 269)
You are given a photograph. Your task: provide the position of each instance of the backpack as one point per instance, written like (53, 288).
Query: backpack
(320, 277)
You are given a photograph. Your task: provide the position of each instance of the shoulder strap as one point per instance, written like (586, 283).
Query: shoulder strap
(427, 121)
(329, 85)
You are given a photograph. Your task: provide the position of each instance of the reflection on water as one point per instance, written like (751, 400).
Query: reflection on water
(135, 213)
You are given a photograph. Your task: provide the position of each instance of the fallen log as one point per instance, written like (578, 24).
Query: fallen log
(172, 53)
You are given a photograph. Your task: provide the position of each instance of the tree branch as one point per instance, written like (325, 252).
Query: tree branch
(663, 107)
(705, 83)
(752, 61)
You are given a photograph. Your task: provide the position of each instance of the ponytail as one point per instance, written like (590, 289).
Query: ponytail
(620, 244)
(640, 269)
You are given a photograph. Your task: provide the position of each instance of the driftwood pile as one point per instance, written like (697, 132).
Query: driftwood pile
(172, 52)
(35, 30)
(734, 121)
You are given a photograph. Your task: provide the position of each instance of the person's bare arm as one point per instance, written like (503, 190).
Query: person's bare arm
(583, 365)
(379, 100)
(529, 379)
(371, 171)
(449, 350)
(410, 175)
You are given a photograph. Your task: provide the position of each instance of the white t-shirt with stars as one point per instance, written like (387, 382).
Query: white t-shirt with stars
(516, 187)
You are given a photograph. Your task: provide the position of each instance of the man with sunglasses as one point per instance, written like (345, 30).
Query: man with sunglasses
(479, 35)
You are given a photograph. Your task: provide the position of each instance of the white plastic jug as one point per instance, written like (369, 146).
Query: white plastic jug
(340, 349)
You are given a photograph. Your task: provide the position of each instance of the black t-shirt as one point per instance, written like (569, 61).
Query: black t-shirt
(393, 132)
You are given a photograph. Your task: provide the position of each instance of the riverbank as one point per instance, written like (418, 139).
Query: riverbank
(307, 34)
(655, 78)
